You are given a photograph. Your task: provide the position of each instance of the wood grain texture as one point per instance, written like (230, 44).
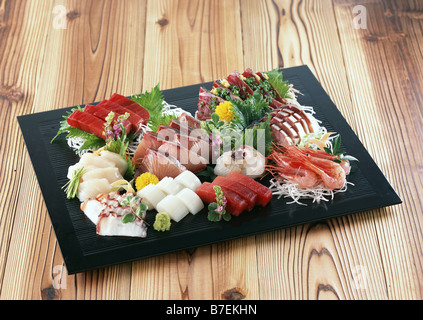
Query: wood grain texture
(374, 76)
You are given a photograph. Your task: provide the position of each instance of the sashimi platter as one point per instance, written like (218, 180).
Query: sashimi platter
(146, 168)
(140, 156)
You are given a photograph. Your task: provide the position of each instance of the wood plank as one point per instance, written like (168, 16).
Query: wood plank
(188, 42)
(95, 56)
(386, 85)
(322, 266)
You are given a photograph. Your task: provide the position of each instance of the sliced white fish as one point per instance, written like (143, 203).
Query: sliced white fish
(191, 200)
(151, 195)
(173, 206)
(169, 186)
(112, 174)
(117, 159)
(112, 225)
(92, 188)
(189, 180)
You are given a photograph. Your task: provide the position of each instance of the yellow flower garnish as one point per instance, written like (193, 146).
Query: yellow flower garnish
(145, 179)
(224, 110)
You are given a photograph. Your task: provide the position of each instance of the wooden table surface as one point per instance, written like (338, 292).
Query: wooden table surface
(368, 55)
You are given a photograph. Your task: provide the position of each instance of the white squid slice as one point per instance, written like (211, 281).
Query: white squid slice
(191, 200)
(173, 206)
(189, 180)
(151, 195)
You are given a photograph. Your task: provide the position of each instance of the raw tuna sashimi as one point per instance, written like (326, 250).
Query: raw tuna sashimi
(235, 204)
(247, 194)
(131, 105)
(207, 102)
(157, 163)
(135, 119)
(102, 113)
(86, 122)
(272, 89)
(191, 160)
(149, 140)
(235, 80)
(264, 194)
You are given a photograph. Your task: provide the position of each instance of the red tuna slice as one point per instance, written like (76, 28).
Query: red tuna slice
(86, 122)
(244, 88)
(264, 194)
(189, 120)
(135, 119)
(235, 204)
(131, 105)
(102, 113)
(149, 140)
(159, 164)
(120, 100)
(195, 144)
(192, 161)
(207, 102)
(246, 193)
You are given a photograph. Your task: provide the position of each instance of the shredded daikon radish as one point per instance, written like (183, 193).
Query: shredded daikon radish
(289, 189)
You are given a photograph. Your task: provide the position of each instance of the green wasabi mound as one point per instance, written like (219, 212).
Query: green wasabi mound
(162, 222)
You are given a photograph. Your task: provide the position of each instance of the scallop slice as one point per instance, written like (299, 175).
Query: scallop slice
(93, 160)
(92, 188)
(173, 206)
(169, 186)
(191, 200)
(112, 174)
(117, 159)
(151, 195)
(189, 180)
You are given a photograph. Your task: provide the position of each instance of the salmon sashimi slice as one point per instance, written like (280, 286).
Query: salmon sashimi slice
(149, 140)
(102, 113)
(161, 165)
(131, 105)
(235, 204)
(87, 122)
(191, 160)
(264, 194)
(247, 194)
(135, 119)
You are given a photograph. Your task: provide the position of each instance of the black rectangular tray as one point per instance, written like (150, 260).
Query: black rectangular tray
(83, 250)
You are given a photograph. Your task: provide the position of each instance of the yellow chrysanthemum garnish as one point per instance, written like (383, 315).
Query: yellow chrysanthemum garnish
(224, 110)
(145, 179)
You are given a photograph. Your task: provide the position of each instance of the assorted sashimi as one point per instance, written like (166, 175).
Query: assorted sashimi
(144, 159)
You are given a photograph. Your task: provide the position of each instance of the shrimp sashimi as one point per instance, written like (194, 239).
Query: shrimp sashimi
(311, 168)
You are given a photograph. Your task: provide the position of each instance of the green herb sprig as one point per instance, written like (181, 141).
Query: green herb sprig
(72, 186)
(217, 210)
(339, 154)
